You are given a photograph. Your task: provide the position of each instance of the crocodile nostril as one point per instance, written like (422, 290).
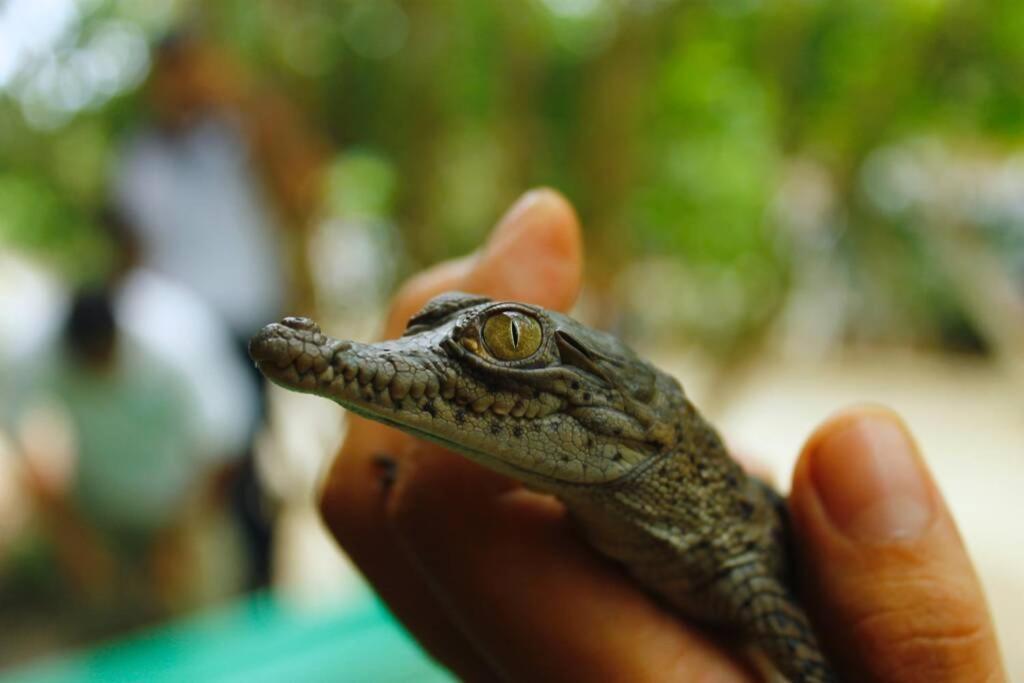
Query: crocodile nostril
(297, 323)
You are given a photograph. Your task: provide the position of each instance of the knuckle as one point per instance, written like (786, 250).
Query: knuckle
(924, 629)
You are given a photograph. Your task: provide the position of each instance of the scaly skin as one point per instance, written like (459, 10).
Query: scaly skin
(583, 418)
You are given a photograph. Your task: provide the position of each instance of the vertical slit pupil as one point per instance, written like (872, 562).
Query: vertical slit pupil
(515, 334)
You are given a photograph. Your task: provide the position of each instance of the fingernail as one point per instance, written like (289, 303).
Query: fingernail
(871, 481)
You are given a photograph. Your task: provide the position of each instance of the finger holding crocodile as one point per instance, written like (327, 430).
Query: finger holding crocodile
(884, 565)
(540, 604)
(353, 505)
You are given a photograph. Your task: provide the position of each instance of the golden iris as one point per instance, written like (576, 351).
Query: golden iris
(512, 336)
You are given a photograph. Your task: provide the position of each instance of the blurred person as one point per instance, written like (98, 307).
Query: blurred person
(188, 188)
(220, 184)
(156, 310)
(182, 345)
(111, 458)
(224, 173)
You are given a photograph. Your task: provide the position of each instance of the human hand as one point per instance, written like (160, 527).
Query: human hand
(495, 583)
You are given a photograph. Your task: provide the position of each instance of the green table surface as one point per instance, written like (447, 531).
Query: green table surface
(256, 639)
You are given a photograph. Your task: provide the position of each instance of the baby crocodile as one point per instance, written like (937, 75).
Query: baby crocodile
(573, 412)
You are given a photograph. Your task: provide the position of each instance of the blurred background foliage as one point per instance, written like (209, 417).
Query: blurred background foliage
(763, 184)
(745, 170)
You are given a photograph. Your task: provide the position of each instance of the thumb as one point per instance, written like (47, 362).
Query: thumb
(534, 255)
(886, 573)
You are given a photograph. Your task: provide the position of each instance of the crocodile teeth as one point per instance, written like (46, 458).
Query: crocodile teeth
(482, 403)
(349, 371)
(399, 387)
(383, 377)
(502, 405)
(417, 387)
(433, 387)
(448, 386)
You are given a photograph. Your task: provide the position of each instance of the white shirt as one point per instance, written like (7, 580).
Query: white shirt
(199, 210)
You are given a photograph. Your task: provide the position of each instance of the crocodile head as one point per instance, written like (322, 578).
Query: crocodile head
(525, 391)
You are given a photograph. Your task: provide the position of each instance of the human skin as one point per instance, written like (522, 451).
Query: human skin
(494, 581)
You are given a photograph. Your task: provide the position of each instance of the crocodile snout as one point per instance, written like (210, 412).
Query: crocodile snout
(281, 344)
(270, 344)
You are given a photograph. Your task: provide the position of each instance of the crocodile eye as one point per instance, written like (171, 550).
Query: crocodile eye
(512, 336)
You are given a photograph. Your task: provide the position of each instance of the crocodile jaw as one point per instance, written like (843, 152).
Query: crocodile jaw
(386, 382)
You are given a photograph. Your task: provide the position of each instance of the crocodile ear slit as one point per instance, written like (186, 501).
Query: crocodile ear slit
(440, 308)
(572, 352)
